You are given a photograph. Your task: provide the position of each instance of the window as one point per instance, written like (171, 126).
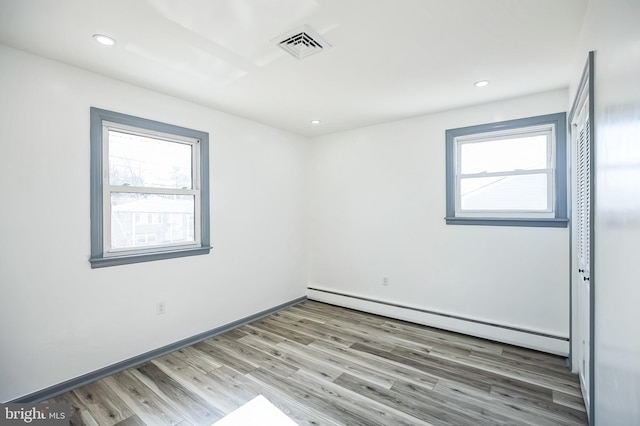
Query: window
(149, 190)
(511, 173)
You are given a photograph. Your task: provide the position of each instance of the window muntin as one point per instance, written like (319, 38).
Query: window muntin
(149, 183)
(510, 173)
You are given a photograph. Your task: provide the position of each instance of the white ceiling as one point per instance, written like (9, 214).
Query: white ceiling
(390, 59)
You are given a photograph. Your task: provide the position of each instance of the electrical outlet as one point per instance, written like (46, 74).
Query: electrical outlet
(160, 308)
(385, 281)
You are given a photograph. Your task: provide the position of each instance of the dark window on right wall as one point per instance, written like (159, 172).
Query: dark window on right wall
(511, 173)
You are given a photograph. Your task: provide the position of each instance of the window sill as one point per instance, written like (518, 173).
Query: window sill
(548, 223)
(102, 262)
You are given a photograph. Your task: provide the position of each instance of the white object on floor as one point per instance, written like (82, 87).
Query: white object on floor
(258, 411)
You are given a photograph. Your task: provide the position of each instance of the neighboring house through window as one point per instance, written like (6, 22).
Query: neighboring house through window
(511, 173)
(149, 190)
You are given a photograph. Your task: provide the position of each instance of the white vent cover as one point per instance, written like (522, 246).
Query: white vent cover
(302, 42)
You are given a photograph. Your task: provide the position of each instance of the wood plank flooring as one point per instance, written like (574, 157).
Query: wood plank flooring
(325, 365)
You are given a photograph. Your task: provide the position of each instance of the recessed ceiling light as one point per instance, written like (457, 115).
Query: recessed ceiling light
(481, 83)
(103, 39)
(316, 122)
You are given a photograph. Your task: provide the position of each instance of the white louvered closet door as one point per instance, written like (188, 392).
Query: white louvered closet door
(582, 131)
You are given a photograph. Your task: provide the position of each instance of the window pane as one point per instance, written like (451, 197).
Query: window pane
(503, 155)
(148, 162)
(521, 192)
(139, 220)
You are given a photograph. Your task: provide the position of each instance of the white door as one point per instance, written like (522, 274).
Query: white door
(582, 226)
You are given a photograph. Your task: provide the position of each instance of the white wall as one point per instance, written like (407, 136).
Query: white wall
(611, 30)
(59, 318)
(377, 203)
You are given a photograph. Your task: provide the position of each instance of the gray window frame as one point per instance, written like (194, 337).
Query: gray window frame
(560, 219)
(98, 258)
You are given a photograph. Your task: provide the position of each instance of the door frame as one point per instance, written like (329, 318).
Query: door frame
(585, 88)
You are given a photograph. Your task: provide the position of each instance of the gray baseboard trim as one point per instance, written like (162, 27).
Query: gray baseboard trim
(60, 388)
(558, 345)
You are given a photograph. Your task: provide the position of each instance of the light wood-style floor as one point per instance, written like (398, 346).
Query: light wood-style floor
(325, 365)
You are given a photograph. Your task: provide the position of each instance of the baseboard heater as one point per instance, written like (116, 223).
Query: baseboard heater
(500, 333)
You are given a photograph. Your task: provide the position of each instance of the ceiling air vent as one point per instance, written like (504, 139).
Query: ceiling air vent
(302, 42)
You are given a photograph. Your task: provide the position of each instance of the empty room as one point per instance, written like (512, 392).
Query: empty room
(321, 212)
